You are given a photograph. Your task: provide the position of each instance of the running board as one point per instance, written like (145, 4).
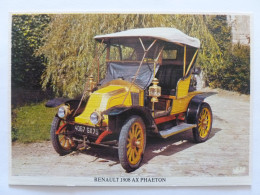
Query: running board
(176, 129)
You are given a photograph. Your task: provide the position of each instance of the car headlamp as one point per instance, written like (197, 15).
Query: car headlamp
(95, 118)
(63, 111)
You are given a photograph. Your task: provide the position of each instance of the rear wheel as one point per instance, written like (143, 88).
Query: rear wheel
(204, 123)
(62, 143)
(132, 141)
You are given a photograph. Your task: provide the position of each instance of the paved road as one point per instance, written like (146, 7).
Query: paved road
(226, 153)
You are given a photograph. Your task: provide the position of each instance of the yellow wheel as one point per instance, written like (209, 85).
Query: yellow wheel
(204, 123)
(62, 143)
(132, 141)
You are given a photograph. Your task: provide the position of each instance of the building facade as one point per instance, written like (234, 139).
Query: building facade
(240, 28)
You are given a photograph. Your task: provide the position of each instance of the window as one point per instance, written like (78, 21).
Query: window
(123, 53)
(170, 54)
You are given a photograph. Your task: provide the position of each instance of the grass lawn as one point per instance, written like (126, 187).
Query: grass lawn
(32, 123)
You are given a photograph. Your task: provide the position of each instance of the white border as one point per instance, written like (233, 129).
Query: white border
(164, 6)
(170, 181)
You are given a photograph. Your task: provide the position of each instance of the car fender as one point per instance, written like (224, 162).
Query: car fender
(58, 101)
(194, 106)
(119, 114)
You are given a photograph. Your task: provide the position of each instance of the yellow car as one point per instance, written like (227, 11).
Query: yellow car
(146, 92)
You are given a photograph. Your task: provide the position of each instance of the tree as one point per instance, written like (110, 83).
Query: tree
(27, 32)
(221, 32)
(70, 49)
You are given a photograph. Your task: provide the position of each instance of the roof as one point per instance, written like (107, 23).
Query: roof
(166, 34)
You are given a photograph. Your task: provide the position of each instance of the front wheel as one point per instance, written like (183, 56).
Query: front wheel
(204, 123)
(132, 141)
(62, 143)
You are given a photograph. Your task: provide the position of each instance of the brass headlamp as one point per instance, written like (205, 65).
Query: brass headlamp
(154, 91)
(90, 83)
(95, 117)
(64, 111)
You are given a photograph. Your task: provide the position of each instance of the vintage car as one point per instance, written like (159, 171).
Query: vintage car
(146, 92)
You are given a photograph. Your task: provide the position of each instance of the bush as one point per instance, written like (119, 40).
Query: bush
(237, 76)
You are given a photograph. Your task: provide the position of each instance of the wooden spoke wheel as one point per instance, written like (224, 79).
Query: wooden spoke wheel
(204, 123)
(132, 141)
(62, 143)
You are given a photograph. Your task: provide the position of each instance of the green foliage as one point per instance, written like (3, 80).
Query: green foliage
(70, 47)
(32, 123)
(67, 44)
(233, 73)
(237, 72)
(220, 30)
(221, 33)
(27, 32)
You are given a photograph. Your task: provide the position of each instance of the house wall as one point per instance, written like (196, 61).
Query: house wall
(240, 28)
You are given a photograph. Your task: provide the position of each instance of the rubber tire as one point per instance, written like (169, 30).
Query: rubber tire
(196, 135)
(122, 149)
(55, 139)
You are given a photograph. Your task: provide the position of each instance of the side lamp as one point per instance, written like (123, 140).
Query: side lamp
(154, 92)
(90, 83)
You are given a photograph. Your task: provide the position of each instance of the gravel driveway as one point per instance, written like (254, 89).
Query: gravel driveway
(226, 153)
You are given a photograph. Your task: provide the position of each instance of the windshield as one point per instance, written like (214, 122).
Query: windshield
(124, 57)
(123, 53)
(132, 51)
(127, 73)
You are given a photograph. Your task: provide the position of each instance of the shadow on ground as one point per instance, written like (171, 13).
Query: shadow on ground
(155, 146)
(171, 145)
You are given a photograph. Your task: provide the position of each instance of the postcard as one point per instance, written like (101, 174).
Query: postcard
(130, 99)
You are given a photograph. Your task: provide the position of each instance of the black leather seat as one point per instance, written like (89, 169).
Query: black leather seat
(168, 76)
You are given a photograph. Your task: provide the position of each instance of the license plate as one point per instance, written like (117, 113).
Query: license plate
(87, 130)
